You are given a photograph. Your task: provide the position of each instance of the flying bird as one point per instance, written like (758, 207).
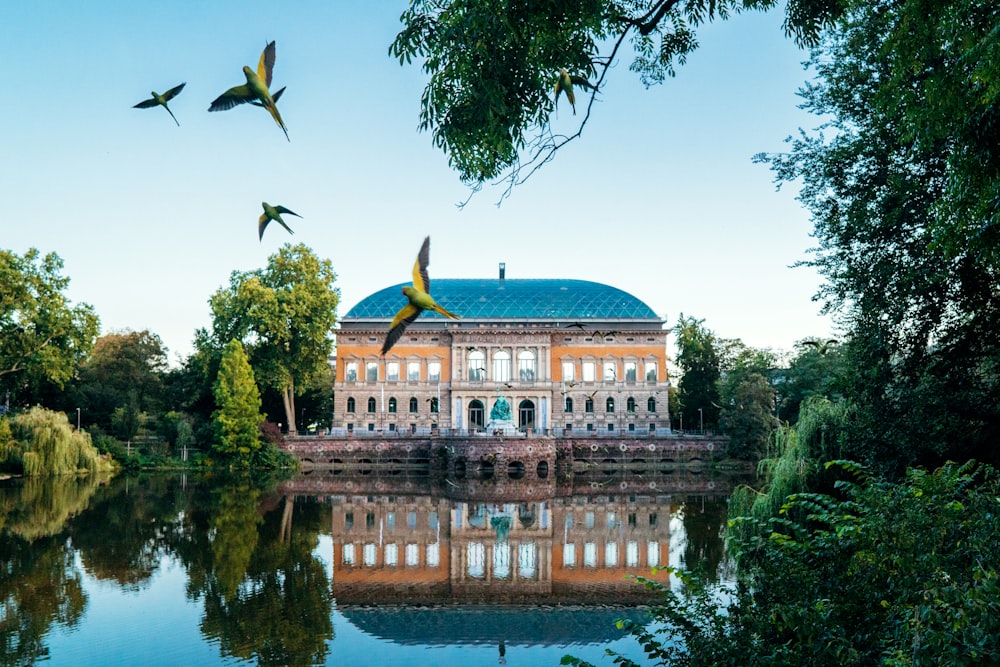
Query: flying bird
(418, 297)
(565, 83)
(273, 213)
(161, 100)
(256, 90)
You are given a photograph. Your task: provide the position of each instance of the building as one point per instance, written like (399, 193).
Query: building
(568, 356)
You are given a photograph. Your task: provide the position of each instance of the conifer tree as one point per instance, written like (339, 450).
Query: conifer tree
(237, 418)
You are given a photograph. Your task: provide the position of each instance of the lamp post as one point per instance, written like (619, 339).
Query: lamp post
(701, 421)
(78, 419)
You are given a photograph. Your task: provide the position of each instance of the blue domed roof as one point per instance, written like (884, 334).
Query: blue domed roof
(533, 299)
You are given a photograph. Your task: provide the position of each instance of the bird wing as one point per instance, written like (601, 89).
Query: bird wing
(282, 209)
(170, 94)
(420, 278)
(145, 104)
(266, 64)
(232, 97)
(581, 81)
(406, 315)
(262, 225)
(274, 97)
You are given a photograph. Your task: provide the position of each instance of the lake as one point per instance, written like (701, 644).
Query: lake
(215, 569)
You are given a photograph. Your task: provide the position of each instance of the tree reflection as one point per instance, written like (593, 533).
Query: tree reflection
(278, 610)
(705, 527)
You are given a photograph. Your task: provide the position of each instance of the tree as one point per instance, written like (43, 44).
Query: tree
(698, 358)
(902, 183)
(748, 418)
(817, 370)
(284, 315)
(492, 65)
(125, 370)
(42, 336)
(237, 419)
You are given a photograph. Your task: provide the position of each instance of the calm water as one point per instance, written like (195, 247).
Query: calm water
(209, 570)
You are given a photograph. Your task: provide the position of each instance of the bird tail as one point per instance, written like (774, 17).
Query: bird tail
(438, 309)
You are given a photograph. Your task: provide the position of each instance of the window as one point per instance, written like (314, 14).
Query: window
(477, 366)
(651, 404)
(569, 555)
(610, 554)
(348, 554)
(434, 371)
(632, 554)
(434, 404)
(392, 404)
(391, 554)
(650, 371)
(588, 406)
(630, 371)
(413, 371)
(589, 371)
(569, 404)
(413, 405)
(350, 404)
(568, 371)
(526, 366)
(371, 404)
(371, 372)
(412, 555)
(351, 374)
(501, 366)
(610, 371)
(609, 406)
(630, 404)
(392, 371)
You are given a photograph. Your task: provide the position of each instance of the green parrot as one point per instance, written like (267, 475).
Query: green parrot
(161, 100)
(255, 90)
(565, 83)
(418, 296)
(273, 213)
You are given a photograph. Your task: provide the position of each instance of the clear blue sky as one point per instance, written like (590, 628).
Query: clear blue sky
(658, 198)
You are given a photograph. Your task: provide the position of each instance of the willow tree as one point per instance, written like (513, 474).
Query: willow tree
(237, 419)
(41, 442)
(284, 316)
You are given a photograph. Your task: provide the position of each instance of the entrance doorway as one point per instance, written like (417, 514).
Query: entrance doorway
(526, 414)
(477, 416)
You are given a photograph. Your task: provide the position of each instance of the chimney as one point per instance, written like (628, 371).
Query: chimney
(503, 271)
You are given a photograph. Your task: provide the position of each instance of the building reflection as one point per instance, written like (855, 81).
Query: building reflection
(425, 549)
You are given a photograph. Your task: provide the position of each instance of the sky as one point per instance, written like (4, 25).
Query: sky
(659, 197)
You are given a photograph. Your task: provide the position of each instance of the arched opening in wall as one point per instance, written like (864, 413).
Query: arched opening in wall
(460, 468)
(695, 466)
(365, 466)
(543, 470)
(526, 414)
(526, 514)
(515, 470)
(477, 415)
(485, 470)
(608, 466)
(638, 465)
(395, 466)
(338, 466)
(667, 465)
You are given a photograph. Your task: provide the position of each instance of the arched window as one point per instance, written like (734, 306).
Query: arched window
(526, 366)
(434, 404)
(371, 405)
(501, 366)
(589, 405)
(350, 404)
(630, 404)
(569, 404)
(610, 405)
(477, 366)
(651, 404)
(392, 404)
(413, 405)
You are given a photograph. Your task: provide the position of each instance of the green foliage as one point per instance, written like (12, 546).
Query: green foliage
(748, 418)
(878, 573)
(902, 182)
(819, 369)
(45, 444)
(238, 419)
(42, 336)
(698, 358)
(284, 315)
(492, 65)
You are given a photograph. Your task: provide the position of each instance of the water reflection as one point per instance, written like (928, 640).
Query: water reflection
(267, 568)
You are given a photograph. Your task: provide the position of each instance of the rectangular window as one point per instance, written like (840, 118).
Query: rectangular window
(501, 368)
(433, 554)
(568, 371)
(391, 554)
(392, 371)
(412, 555)
(630, 371)
(434, 371)
(413, 371)
(632, 554)
(650, 371)
(348, 554)
(569, 555)
(610, 371)
(432, 520)
(411, 520)
(610, 554)
(349, 521)
(653, 554)
(589, 371)
(590, 554)
(526, 370)
(371, 371)
(351, 374)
